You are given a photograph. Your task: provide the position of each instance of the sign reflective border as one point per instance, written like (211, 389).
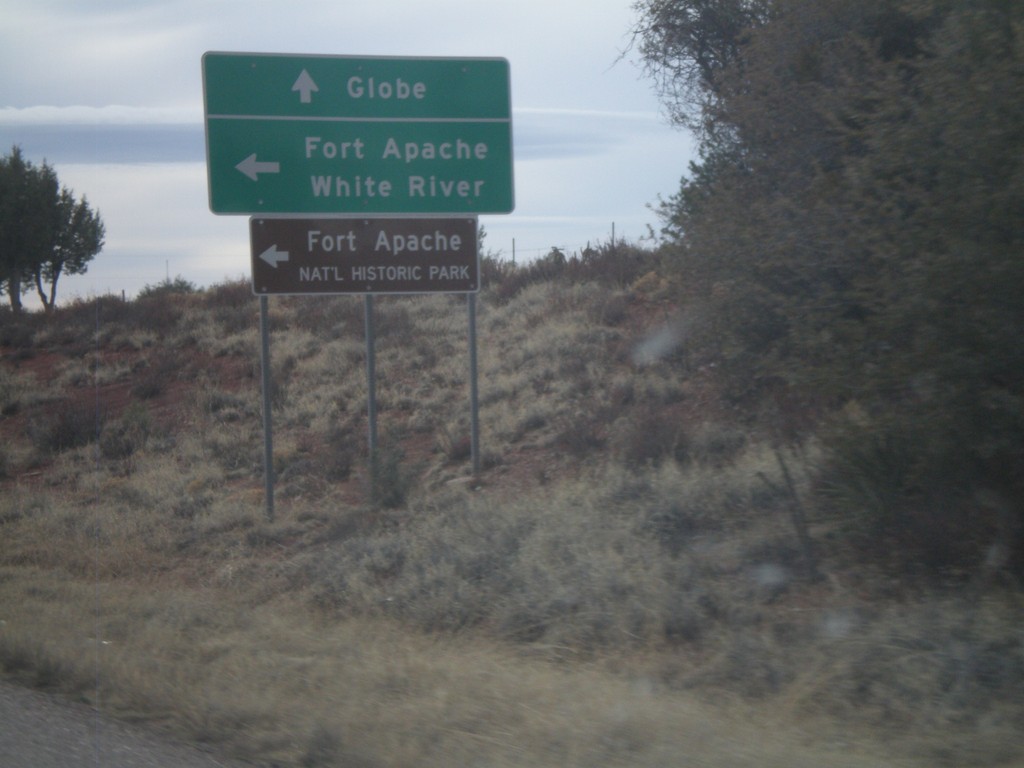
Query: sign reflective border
(293, 256)
(330, 135)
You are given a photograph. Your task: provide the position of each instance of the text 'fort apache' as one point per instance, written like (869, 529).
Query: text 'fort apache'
(384, 243)
(365, 255)
(456, 153)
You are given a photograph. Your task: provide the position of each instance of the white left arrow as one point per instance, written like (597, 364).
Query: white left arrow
(305, 86)
(273, 257)
(252, 167)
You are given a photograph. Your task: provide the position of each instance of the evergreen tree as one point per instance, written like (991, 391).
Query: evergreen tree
(853, 229)
(44, 231)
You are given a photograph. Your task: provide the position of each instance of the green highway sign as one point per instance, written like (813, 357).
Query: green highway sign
(300, 134)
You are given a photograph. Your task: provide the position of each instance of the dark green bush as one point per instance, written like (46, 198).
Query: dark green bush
(179, 286)
(390, 480)
(68, 425)
(905, 490)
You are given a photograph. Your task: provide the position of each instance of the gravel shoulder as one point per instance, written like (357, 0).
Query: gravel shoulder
(40, 730)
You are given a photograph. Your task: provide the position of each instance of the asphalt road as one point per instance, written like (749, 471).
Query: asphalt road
(38, 730)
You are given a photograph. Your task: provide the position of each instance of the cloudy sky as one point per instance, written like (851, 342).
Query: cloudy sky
(110, 93)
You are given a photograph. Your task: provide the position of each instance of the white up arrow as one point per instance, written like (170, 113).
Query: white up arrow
(273, 257)
(305, 86)
(252, 168)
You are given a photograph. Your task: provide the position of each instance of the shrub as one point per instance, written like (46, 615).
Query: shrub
(648, 437)
(494, 269)
(868, 477)
(10, 393)
(87, 314)
(390, 481)
(611, 310)
(159, 369)
(226, 406)
(179, 285)
(231, 294)
(17, 335)
(128, 435)
(903, 501)
(340, 455)
(330, 315)
(581, 434)
(67, 426)
(614, 264)
(575, 566)
(158, 313)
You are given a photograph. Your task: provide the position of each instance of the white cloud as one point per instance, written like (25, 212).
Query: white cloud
(157, 220)
(590, 146)
(111, 114)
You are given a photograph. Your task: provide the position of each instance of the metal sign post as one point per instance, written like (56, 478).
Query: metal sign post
(268, 438)
(371, 382)
(474, 398)
(292, 135)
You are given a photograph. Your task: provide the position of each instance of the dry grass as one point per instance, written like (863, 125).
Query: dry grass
(621, 586)
(274, 683)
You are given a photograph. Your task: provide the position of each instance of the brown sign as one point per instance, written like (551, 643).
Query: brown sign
(364, 255)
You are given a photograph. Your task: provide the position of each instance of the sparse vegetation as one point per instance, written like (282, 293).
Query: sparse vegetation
(630, 537)
(750, 497)
(178, 286)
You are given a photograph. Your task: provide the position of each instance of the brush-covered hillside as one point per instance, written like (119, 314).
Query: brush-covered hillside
(649, 569)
